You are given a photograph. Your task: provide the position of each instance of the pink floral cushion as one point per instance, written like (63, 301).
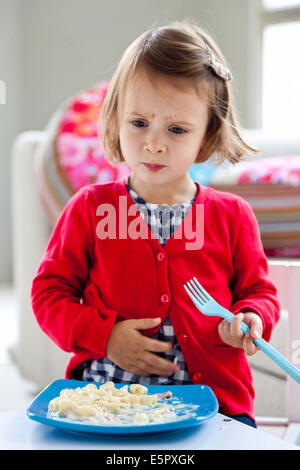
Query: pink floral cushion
(272, 187)
(271, 170)
(276, 170)
(79, 148)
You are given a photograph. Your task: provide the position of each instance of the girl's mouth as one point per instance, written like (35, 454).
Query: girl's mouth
(154, 166)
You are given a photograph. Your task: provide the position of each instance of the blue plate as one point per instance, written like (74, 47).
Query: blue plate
(200, 395)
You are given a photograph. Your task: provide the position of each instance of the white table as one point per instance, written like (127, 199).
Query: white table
(18, 432)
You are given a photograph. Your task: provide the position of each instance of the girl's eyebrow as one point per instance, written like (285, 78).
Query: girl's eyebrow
(139, 114)
(167, 118)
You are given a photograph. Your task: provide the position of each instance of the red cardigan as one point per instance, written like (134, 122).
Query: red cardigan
(86, 282)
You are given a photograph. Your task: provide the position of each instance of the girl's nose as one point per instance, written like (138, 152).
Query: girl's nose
(154, 146)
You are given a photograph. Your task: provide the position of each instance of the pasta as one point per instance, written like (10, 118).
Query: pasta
(109, 405)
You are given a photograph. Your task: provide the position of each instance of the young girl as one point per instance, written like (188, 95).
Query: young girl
(110, 285)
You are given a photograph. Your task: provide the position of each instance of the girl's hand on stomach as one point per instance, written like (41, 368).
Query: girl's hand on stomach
(231, 333)
(134, 352)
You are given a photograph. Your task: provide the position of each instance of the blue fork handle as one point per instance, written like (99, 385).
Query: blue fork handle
(275, 355)
(280, 360)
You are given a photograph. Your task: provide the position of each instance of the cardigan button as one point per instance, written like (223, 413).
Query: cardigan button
(164, 298)
(160, 256)
(182, 338)
(197, 377)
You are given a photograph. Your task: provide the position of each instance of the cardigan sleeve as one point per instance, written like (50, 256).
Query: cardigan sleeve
(57, 290)
(251, 286)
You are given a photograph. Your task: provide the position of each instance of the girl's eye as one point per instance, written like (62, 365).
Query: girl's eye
(177, 130)
(138, 123)
(174, 129)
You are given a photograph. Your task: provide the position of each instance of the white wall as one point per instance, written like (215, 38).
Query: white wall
(50, 49)
(235, 26)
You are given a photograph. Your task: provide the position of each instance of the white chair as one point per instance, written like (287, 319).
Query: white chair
(41, 361)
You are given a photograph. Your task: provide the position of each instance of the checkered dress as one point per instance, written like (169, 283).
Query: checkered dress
(163, 221)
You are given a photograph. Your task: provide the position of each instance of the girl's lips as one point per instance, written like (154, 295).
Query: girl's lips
(154, 166)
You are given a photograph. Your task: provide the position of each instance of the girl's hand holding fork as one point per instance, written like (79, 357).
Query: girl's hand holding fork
(231, 333)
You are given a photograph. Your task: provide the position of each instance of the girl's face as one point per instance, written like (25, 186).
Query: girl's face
(162, 129)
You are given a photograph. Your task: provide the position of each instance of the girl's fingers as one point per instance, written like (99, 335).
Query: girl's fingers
(232, 334)
(139, 370)
(224, 331)
(256, 330)
(149, 363)
(249, 347)
(235, 330)
(155, 345)
(158, 365)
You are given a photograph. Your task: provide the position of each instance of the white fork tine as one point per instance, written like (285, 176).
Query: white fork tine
(199, 295)
(203, 291)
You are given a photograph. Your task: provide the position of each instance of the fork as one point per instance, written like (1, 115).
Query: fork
(208, 306)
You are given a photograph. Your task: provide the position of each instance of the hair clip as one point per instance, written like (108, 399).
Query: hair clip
(219, 69)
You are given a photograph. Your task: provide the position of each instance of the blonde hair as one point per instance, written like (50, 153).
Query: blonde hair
(179, 49)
